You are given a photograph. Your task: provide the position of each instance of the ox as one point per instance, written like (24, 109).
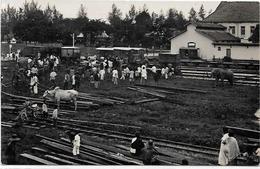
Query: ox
(58, 94)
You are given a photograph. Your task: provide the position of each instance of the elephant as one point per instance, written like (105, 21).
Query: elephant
(219, 73)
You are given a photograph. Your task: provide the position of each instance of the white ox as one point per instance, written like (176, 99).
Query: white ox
(58, 94)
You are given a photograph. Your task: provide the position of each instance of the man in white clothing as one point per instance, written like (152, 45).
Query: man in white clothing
(229, 150)
(76, 144)
(115, 76)
(143, 75)
(102, 74)
(34, 84)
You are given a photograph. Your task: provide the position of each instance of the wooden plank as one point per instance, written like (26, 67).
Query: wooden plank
(253, 140)
(156, 94)
(60, 160)
(85, 154)
(146, 100)
(101, 123)
(6, 125)
(99, 151)
(173, 88)
(77, 160)
(244, 132)
(67, 149)
(37, 159)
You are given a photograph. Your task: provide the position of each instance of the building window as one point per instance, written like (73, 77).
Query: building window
(219, 48)
(232, 29)
(242, 30)
(252, 28)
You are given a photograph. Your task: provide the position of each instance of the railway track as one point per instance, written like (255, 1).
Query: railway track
(206, 152)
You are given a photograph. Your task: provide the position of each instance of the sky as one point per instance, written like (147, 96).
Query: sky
(99, 9)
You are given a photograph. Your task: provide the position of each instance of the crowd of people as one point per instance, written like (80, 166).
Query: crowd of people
(115, 71)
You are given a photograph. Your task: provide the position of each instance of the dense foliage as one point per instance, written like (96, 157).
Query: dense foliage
(137, 28)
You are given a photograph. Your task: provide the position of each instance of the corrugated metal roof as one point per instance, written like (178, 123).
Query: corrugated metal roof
(235, 12)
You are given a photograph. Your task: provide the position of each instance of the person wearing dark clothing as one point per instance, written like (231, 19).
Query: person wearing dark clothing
(77, 80)
(96, 80)
(150, 154)
(66, 80)
(11, 149)
(136, 145)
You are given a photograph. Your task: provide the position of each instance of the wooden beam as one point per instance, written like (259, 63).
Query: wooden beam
(101, 123)
(153, 93)
(60, 160)
(244, 132)
(37, 159)
(174, 89)
(77, 160)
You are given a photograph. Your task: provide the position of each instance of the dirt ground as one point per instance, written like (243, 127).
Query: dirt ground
(197, 120)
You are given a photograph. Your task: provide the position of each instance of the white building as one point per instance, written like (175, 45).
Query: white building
(209, 40)
(240, 18)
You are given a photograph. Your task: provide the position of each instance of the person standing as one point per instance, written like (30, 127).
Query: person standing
(150, 154)
(34, 84)
(76, 144)
(77, 80)
(55, 116)
(143, 75)
(73, 81)
(229, 150)
(131, 76)
(136, 145)
(10, 151)
(44, 109)
(66, 80)
(53, 75)
(115, 77)
(110, 65)
(102, 74)
(96, 79)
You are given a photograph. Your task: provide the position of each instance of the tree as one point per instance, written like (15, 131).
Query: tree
(171, 18)
(82, 12)
(9, 19)
(193, 15)
(201, 13)
(132, 13)
(181, 21)
(114, 17)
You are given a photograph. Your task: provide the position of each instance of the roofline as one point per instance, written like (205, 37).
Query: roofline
(236, 44)
(215, 22)
(213, 39)
(214, 11)
(204, 20)
(177, 35)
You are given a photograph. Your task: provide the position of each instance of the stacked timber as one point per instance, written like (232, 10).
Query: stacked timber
(101, 99)
(161, 94)
(175, 89)
(81, 104)
(90, 153)
(37, 159)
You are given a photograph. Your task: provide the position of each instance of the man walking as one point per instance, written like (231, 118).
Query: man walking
(76, 145)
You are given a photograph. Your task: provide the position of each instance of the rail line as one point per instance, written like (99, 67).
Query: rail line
(206, 151)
